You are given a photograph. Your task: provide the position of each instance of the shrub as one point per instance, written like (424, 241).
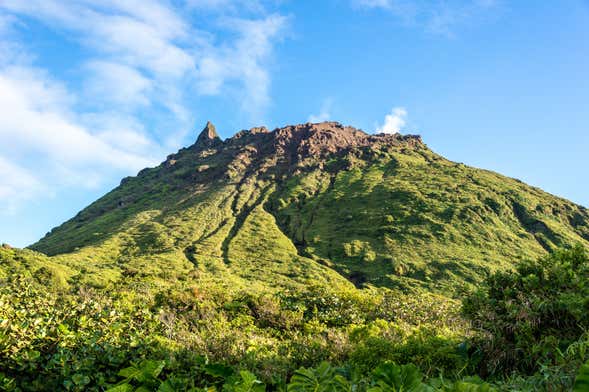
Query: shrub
(528, 317)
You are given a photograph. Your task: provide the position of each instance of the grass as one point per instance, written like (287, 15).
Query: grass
(391, 215)
(412, 214)
(234, 256)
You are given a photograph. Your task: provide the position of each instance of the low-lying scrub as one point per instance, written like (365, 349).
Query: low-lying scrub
(523, 330)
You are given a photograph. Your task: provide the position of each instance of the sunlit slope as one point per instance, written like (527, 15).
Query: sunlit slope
(400, 216)
(312, 204)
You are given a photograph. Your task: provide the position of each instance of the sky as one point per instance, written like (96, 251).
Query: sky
(92, 91)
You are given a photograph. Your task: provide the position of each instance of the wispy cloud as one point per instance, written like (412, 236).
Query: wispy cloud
(36, 120)
(227, 6)
(18, 185)
(385, 4)
(150, 40)
(436, 17)
(324, 112)
(242, 61)
(394, 121)
(133, 88)
(144, 63)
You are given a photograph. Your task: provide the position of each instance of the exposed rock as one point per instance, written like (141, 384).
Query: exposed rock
(303, 144)
(299, 142)
(259, 130)
(208, 137)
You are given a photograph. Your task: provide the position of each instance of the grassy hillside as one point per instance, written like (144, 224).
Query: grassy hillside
(310, 258)
(314, 203)
(402, 216)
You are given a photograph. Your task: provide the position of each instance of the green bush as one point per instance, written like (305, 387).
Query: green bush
(205, 337)
(582, 380)
(530, 317)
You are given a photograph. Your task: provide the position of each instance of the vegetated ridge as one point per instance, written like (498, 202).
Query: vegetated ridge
(321, 204)
(314, 257)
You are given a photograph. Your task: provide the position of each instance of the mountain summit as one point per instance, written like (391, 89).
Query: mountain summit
(208, 136)
(321, 203)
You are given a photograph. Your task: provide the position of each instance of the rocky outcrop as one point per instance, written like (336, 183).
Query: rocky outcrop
(208, 137)
(294, 144)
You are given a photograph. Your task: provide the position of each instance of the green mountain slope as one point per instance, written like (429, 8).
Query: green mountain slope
(319, 204)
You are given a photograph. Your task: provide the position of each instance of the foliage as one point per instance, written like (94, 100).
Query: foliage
(390, 377)
(534, 316)
(321, 379)
(582, 380)
(243, 214)
(195, 338)
(145, 374)
(51, 343)
(256, 264)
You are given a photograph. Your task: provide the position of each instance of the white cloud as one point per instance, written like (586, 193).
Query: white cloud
(133, 87)
(394, 121)
(127, 38)
(123, 132)
(227, 6)
(436, 17)
(374, 3)
(141, 45)
(17, 186)
(324, 112)
(47, 147)
(144, 62)
(155, 40)
(34, 117)
(243, 61)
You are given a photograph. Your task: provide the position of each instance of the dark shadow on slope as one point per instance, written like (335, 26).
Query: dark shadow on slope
(240, 217)
(541, 232)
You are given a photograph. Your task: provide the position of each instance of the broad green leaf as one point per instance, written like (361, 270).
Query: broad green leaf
(151, 370)
(166, 386)
(121, 388)
(218, 370)
(582, 380)
(321, 379)
(80, 379)
(390, 377)
(130, 372)
(247, 382)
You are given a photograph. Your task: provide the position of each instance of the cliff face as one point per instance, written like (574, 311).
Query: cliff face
(316, 202)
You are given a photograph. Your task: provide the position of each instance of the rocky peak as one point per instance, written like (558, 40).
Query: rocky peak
(291, 146)
(320, 139)
(311, 139)
(208, 137)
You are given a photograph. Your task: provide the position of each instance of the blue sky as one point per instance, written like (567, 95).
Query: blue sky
(94, 90)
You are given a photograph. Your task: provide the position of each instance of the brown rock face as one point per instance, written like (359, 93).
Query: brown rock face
(208, 136)
(279, 152)
(295, 143)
